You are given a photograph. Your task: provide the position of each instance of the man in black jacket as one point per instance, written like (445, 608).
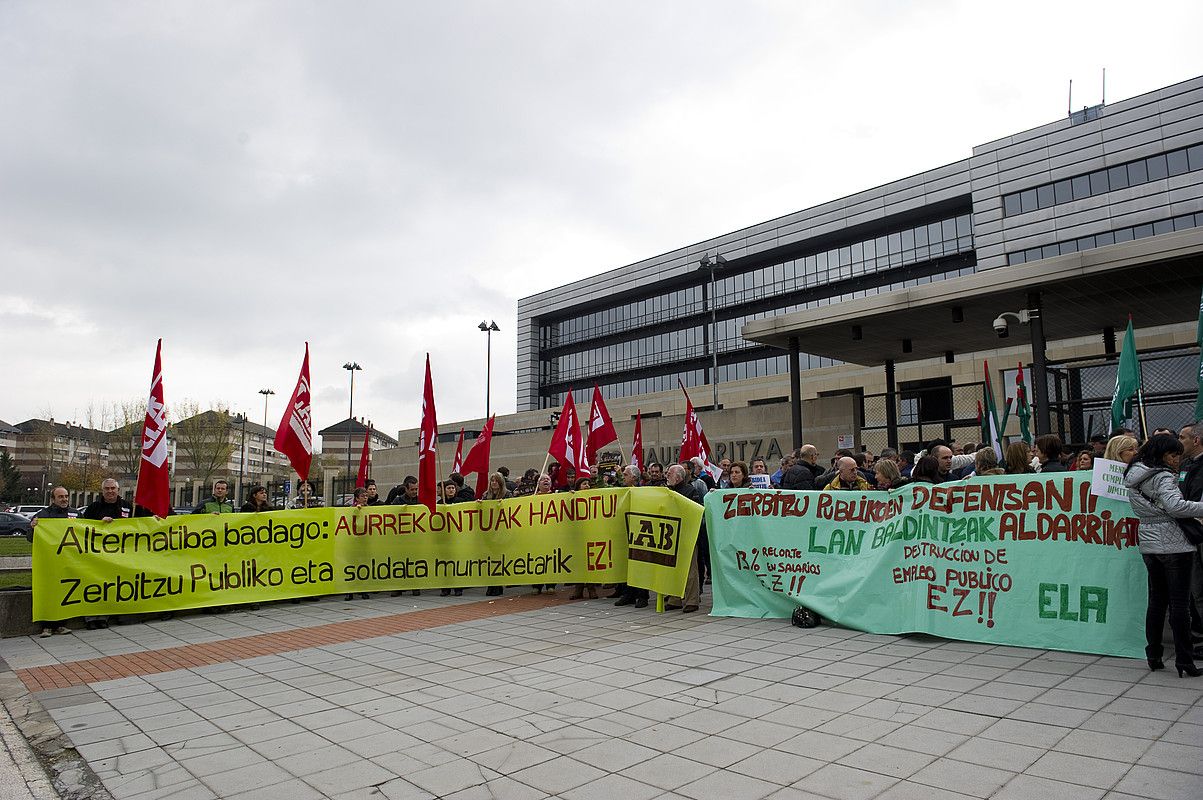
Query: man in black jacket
(59, 508)
(1190, 480)
(679, 482)
(805, 471)
(110, 506)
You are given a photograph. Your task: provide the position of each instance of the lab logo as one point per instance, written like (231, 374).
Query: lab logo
(653, 539)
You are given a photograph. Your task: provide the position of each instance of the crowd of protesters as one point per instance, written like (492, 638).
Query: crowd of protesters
(1163, 474)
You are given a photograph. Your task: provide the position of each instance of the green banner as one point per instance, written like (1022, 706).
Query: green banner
(131, 566)
(1035, 561)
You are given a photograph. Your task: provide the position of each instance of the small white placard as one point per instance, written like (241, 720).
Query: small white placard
(760, 481)
(845, 441)
(1107, 480)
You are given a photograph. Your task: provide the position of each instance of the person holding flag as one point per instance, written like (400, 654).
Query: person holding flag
(478, 458)
(153, 491)
(1022, 409)
(1127, 385)
(601, 427)
(457, 462)
(365, 459)
(428, 454)
(294, 436)
(637, 443)
(566, 445)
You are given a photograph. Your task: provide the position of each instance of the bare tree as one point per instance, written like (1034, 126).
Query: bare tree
(125, 440)
(203, 438)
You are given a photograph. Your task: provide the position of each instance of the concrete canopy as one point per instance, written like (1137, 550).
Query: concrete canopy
(1157, 280)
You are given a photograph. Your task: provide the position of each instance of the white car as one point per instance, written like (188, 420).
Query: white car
(27, 511)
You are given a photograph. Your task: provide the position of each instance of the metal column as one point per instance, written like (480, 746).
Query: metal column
(795, 391)
(1039, 365)
(891, 406)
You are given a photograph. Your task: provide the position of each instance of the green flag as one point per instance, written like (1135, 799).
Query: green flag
(990, 415)
(1022, 409)
(1127, 381)
(1199, 338)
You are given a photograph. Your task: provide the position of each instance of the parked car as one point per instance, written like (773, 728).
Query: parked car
(15, 525)
(28, 511)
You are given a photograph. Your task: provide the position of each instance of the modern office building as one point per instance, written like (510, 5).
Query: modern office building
(1106, 183)
(890, 299)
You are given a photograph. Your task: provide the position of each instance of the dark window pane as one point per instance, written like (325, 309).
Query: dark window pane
(1050, 250)
(1011, 205)
(1123, 235)
(1117, 177)
(1016, 258)
(1184, 222)
(1044, 196)
(964, 226)
(1081, 187)
(1098, 182)
(1027, 201)
(949, 226)
(1142, 231)
(1177, 162)
(1157, 167)
(1195, 156)
(1034, 254)
(1086, 243)
(1137, 173)
(1163, 226)
(921, 233)
(1069, 247)
(1063, 192)
(908, 239)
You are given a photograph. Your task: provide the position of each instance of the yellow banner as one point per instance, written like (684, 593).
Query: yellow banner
(643, 536)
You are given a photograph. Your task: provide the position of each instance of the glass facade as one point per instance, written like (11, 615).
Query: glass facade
(1179, 223)
(647, 345)
(1121, 176)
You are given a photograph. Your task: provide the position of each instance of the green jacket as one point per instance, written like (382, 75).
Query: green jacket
(215, 506)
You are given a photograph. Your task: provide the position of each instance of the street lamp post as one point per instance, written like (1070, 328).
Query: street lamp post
(352, 367)
(266, 394)
(240, 418)
(712, 267)
(488, 330)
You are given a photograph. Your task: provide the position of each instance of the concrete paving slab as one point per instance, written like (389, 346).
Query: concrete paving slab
(538, 697)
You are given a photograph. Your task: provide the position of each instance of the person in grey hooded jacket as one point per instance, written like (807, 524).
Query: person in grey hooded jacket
(1152, 481)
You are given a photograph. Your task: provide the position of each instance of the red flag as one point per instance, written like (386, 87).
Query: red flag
(566, 445)
(457, 463)
(601, 428)
(428, 454)
(365, 457)
(478, 458)
(294, 437)
(637, 445)
(693, 439)
(154, 483)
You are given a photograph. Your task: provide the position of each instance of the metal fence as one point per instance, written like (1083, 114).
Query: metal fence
(924, 412)
(1080, 392)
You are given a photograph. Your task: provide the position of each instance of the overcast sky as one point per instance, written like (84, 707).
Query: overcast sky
(378, 177)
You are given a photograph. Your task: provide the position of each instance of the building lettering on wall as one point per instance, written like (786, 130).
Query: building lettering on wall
(736, 450)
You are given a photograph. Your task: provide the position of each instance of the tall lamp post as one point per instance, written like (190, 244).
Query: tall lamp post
(240, 419)
(712, 267)
(488, 330)
(352, 367)
(266, 394)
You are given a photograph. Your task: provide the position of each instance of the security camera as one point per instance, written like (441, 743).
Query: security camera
(1001, 327)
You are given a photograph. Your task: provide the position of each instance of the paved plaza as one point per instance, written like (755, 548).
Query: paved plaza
(530, 696)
